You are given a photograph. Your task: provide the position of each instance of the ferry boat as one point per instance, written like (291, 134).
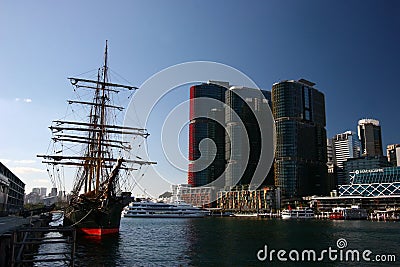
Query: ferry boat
(149, 209)
(336, 216)
(298, 213)
(352, 213)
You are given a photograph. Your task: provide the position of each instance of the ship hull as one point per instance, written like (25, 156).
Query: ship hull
(96, 217)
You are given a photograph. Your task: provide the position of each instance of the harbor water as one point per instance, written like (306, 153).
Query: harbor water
(229, 241)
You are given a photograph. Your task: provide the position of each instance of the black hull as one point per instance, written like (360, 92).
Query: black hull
(96, 217)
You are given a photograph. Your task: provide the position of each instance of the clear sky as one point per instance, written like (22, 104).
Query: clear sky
(350, 49)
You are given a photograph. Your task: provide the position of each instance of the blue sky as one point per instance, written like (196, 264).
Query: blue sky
(350, 49)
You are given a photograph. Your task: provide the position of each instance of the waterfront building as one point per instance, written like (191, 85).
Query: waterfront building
(393, 154)
(372, 182)
(4, 187)
(205, 122)
(222, 120)
(197, 196)
(245, 107)
(344, 146)
(326, 204)
(16, 190)
(369, 132)
(371, 189)
(363, 163)
(301, 153)
(241, 199)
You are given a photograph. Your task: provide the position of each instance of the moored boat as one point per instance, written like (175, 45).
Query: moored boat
(149, 209)
(352, 213)
(336, 216)
(299, 213)
(102, 156)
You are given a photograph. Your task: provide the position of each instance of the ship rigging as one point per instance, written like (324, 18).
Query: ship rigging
(96, 198)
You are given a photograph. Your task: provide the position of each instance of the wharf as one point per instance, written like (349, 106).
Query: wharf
(9, 230)
(12, 223)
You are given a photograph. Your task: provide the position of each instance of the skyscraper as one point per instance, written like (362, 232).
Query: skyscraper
(250, 105)
(393, 154)
(206, 122)
(369, 132)
(231, 117)
(345, 146)
(301, 153)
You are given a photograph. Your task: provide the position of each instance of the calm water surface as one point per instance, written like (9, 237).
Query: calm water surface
(232, 241)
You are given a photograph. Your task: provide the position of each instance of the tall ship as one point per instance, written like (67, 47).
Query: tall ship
(103, 158)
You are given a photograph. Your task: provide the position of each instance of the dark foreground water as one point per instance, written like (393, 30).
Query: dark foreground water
(237, 241)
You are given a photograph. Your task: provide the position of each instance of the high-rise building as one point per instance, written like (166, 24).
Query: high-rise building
(43, 191)
(245, 107)
(301, 153)
(230, 117)
(345, 146)
(206, 122)
(393, 154)
(369, 132)
(332, 179)
(53, 192)
(36, 190)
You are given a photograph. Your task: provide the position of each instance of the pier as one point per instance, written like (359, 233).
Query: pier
(21, 237)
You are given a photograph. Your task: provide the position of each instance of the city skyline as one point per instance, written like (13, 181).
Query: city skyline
(350, 53)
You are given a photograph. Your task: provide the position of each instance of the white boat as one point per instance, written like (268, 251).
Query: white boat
(149, 209)
(298, 213)
(352, 213)
(245, 214)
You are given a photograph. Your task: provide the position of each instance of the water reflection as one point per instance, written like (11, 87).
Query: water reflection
(228, 241)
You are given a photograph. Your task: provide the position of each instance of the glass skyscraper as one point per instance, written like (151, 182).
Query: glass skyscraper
(248, 104)
(369, 132)
(301, 153)
(232, 117)
(205, 117)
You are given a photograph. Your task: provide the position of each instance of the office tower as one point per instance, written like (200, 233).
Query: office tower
(53, 192)
(329, 151)
(36, 190)
(345, 146)
(393, 154)
(43, 191)
(369, 132)
(246, 112)
(301, 153)
(206, 121)
(332, 180)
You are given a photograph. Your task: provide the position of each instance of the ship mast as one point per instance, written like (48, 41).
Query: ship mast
(102, 122)
(98, 165)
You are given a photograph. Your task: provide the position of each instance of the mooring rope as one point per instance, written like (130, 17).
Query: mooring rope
(82, 218)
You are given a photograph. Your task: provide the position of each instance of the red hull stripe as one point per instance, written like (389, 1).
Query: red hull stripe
(99, 231)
